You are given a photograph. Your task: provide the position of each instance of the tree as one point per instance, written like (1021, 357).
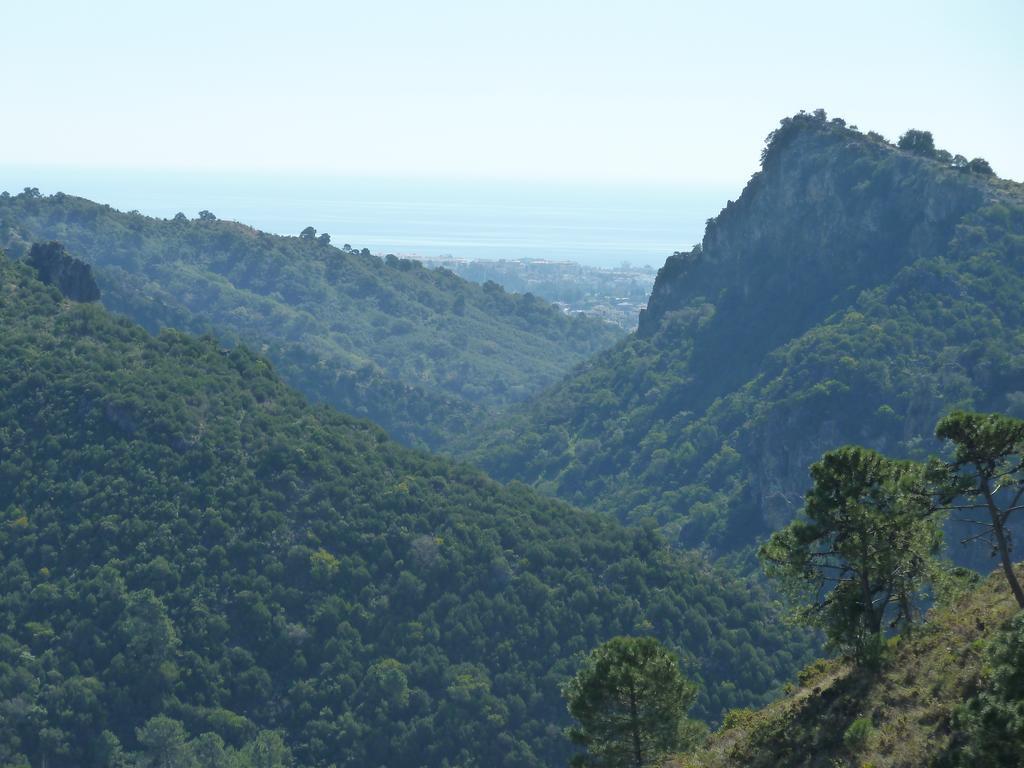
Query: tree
(267, 751)
(981, 166)
(987, 473)
(630, 700)
(309, 233)
(386, 683)
(109, 752)
(164, 744)
(918, 142)
(149, 646)
(324, 239)
(989, 727)
(206, 216)
(864, 551)
(208, 751)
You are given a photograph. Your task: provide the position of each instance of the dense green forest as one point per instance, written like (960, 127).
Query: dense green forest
(420, 352)
(191, 548)
(853, 293)
(200, 562)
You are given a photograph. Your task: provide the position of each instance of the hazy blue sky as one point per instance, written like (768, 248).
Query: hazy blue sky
(681, 92)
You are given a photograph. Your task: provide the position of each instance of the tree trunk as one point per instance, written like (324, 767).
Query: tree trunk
(872, 618)
(907, 609)
(1002, 544)
(635, 722)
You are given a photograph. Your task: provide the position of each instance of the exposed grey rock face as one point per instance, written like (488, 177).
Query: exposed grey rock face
(828, 216)
(827, 211)
(853, 293)
(71, 277)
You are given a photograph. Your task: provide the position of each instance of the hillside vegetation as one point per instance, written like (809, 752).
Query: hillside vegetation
(919, 709)
(191, 548)
(854, 293)
(420, 352)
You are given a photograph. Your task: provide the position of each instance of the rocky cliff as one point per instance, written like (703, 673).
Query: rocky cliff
(831, 213)
(853, 293)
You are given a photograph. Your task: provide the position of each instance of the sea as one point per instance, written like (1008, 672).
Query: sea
(596, 224)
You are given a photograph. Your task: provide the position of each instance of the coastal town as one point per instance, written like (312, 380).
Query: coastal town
(615, 295)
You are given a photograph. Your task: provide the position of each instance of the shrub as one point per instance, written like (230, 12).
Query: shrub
(857, 735)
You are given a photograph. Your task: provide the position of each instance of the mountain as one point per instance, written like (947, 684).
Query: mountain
(421, 352)
(852, 294)
(190, 547)
(948, 695)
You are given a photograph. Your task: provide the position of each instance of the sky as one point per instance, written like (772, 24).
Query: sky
(645, 91)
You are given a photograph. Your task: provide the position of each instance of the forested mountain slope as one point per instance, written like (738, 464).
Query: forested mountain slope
(183, 535)
(948, 696)
(853, 293)
(420, 352)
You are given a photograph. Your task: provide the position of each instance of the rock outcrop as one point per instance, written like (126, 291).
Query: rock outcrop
(831, 213)
(71, 277)
(853, 293)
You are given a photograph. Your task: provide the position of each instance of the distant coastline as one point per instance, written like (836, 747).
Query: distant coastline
(598, 225)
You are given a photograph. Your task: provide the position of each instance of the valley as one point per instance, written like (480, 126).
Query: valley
(187, 539)
(269, 501)
(421, 352)
(615, 295)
